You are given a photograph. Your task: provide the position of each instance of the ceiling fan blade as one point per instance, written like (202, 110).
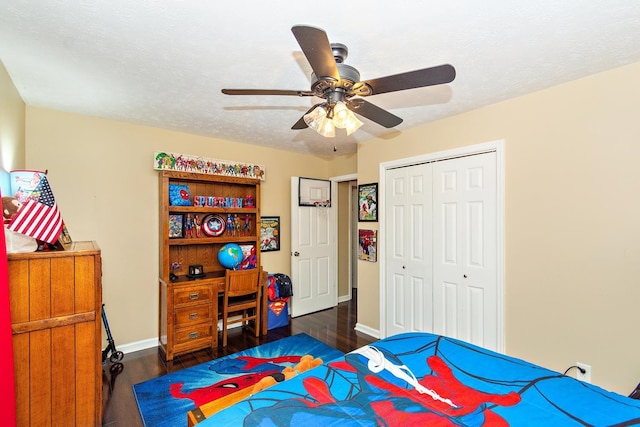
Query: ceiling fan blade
(267, 92)
(301, 124)
(315, 45)
(373, 112)
(413, 79)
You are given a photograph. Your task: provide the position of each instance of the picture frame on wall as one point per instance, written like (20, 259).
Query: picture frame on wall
(176, 226)
(314, 192)
(269, 233)
(367, 245)
(368, 202)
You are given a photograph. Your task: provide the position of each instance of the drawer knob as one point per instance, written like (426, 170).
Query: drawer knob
(193, 335)
(194, 295)
(193, 316)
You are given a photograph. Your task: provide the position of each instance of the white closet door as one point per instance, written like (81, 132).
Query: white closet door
(408, 292)
(465, 249)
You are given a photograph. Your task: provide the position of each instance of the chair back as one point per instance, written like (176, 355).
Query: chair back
(242, 282)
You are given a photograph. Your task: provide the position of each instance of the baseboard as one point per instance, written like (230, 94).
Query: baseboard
(153, 342)
(344, 298)
(137, 346)
(375, 333)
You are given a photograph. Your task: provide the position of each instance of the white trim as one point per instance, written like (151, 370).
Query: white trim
(138, 345)
(496, 146)
(374, 333)
(342, 178)
(334, 198)
(345, 298)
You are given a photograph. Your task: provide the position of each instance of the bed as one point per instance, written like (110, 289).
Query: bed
(423, 379)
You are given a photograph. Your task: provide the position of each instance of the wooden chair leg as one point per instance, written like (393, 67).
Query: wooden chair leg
(256, 323)
(224, 329)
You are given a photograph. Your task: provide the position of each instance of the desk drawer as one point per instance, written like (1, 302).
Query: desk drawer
(194, 333)
(193, 315)
(194, 294)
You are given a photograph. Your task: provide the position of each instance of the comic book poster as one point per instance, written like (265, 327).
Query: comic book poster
(269, 233)
(367, 248)
(368, 202)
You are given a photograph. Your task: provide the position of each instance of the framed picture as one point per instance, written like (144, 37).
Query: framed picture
(176, 226)
(368, 202)
(367, 247)
(65, 237)
(269, 233)
(314, 192)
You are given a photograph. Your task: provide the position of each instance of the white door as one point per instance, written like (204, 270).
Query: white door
(465, 249)
(409, 261)
(313, 263)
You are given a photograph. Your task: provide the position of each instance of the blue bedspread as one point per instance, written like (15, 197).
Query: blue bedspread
(420, 379)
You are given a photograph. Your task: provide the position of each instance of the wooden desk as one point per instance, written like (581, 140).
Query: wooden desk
(189, 313)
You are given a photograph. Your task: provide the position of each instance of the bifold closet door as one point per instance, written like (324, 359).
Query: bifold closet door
(408, 291)
(465, 249)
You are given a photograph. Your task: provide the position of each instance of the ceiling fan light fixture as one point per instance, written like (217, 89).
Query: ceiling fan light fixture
(340, 115)
(313, 117)
(353, 124)
(317, 120)
(344, 118)
(327, 129)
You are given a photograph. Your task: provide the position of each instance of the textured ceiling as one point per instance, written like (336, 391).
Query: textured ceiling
(163, 63)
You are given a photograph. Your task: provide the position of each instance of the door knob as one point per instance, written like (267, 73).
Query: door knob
(296, 253)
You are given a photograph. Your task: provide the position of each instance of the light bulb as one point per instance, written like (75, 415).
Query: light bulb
(326, 128)
(353, 124)
(312, 119)
(340, 115)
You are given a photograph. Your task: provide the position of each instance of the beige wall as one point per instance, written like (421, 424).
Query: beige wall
(101, 174)
(343, 165)
(572, 237)
(12, 112)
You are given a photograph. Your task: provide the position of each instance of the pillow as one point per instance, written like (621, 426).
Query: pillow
(179, 195)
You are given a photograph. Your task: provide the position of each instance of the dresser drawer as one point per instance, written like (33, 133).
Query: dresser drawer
(194, 333)
(193, 294)
(192, 315)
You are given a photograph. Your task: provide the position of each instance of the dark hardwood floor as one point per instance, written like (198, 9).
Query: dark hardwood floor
(334, 327)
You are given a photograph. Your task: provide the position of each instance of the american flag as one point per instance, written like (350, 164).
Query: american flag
(39, 216)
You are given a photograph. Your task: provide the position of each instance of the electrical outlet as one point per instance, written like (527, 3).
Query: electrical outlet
(586, 377)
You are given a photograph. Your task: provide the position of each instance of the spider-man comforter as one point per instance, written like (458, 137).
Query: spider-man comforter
(421, 379)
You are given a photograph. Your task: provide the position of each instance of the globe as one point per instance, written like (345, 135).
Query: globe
(230, 255)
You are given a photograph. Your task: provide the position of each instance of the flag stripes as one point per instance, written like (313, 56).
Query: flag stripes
(38, 221)
(39, 217)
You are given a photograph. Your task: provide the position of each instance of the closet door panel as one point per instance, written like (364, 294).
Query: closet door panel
(408, 297)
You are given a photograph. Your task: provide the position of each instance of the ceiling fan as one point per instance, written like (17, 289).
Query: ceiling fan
(340, 86)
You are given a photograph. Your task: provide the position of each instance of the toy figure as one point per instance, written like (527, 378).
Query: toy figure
(236, 223)
(173, 276)
(230, 225)
(246, 227)
(188, 227)
(248, 201)
(196, 225)
(10, 207)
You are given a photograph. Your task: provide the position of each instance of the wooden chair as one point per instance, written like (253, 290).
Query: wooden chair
(241, 297)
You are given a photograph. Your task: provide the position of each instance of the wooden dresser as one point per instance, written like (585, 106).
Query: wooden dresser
(56, 300)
